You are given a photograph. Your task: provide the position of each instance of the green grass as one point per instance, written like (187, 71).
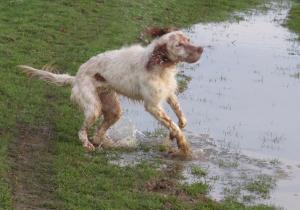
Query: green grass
(66, 33)
(262, 185)
(5, 196)
(293, 21)
(197, 171)
(296, 75)
(196, 189)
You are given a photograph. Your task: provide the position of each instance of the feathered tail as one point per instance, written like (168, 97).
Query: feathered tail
(57, 79)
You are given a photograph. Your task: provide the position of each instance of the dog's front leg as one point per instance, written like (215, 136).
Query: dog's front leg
(175, 131)
(173, 102)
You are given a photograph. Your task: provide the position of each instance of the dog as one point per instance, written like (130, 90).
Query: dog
(143, 73)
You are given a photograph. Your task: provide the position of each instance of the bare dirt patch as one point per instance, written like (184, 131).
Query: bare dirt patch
(31, 156)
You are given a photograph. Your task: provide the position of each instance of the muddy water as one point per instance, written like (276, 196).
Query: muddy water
(242, 106)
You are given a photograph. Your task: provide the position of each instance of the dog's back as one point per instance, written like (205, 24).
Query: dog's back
(122, 70)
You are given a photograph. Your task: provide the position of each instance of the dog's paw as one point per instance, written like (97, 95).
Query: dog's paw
(88, 146)
(178, 154)
(182, 123)
(108, 142)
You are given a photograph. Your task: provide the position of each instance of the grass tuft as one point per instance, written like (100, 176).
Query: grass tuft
(293, 21)
(262, 185)
(196, 189)
(197, 171)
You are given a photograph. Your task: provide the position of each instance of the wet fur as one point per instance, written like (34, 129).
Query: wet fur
(146, 74)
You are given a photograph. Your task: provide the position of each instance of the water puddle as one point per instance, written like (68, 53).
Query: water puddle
(242, 107)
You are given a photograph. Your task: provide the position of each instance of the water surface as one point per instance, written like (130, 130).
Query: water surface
(242, 106)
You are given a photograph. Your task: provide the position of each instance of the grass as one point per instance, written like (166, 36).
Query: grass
(5, 196)
(293, 21)
(197, 171)
(66, 33)
(262, 185)
(296, 75)
(196, 189)
(183, 81)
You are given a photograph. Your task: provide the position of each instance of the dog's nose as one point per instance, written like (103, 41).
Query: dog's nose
(200, 50)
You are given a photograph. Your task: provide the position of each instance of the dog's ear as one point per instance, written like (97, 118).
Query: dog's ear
(156, 31)
(160, 57)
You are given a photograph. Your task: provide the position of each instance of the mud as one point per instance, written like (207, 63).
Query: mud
(30, 158)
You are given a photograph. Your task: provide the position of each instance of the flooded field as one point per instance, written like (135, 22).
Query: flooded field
(242, 106)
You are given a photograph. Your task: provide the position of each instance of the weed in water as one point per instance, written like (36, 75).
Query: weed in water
(196, 189)
(197, 171)
(261, 185)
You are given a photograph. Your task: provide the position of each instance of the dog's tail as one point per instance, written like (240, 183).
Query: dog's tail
(57, 79)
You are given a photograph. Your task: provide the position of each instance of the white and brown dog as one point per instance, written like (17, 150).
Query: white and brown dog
(140, 73)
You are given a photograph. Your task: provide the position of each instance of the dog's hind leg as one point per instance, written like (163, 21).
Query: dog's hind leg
(85, 95)
(112, 112)
(90, 118)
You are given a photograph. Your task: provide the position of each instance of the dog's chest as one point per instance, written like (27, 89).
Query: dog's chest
(154, 87)
(157, 88)
(129, 87)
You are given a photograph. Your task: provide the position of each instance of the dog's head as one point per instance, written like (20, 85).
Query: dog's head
(172, 47)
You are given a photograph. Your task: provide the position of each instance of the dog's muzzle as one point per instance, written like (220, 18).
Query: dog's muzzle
(194, 53)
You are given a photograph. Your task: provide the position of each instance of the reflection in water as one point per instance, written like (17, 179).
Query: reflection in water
(243, 99)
